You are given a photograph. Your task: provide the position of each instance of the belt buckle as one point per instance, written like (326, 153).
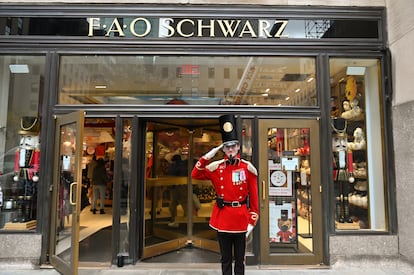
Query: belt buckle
(235, 204)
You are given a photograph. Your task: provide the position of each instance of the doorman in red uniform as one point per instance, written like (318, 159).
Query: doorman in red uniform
(236, 210)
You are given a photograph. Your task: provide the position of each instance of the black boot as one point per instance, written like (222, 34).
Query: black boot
(347, 217)
(339, 215)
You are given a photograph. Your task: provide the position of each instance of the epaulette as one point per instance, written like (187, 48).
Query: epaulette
(250, 167)
(214, 165)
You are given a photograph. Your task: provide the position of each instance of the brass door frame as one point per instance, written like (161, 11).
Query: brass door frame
(60, 264)
(316, 257)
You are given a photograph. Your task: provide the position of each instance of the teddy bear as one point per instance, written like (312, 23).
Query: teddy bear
(359, 142)
(284, 235)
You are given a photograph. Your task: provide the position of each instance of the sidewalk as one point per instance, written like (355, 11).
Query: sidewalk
(366, 267)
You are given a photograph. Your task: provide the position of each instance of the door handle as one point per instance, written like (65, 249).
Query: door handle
(72, 185)
(263, 190)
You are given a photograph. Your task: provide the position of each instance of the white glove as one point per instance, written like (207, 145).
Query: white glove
(213, 152)
(249, 230)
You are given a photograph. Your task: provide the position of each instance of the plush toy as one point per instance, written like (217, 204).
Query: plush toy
(359, 142)
(284, 235)
(351, 88)
(351, 109)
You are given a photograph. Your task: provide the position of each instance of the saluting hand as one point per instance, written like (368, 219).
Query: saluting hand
(213, 152)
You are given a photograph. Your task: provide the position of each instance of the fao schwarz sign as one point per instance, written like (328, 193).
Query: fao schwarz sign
(142, 27)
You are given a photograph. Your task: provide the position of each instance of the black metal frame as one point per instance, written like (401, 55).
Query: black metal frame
(322, 50)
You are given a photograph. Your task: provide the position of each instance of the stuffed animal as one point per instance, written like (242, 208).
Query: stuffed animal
(285, 234)
(351, 88)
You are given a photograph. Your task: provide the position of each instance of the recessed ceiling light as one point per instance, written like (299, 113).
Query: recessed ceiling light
(19, 68)
(100, 87)
(352, 70)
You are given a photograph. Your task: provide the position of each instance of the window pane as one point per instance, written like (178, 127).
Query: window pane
(357, 144)
(20, 89)
(193, 80)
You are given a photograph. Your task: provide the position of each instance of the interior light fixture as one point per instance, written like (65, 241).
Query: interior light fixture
(19, 68)
(100, 87)
(354, 70)
(310, 79)
(297, 90)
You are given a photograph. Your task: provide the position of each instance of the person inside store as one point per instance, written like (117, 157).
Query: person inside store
(99, 180)
(236, 210)
(90, 167)
(178, 168)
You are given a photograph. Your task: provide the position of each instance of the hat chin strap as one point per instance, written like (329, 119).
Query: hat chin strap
(232, 159)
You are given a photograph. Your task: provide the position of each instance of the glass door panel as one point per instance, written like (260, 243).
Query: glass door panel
(64, 246)
(290, 192)
(177, 208)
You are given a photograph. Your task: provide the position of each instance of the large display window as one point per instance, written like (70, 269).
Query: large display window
(357, 144)
(20, 89)
(187, 80)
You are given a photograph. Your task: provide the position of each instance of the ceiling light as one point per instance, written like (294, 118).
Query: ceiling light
(352, 70)
(19, 68)
(100, 87)
(310, 79)
(287, 98)
(297, 90)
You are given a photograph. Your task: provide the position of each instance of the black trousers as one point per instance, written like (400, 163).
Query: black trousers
(230, 242)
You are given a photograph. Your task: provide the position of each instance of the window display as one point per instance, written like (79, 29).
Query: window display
(357, 145)
(22, 83)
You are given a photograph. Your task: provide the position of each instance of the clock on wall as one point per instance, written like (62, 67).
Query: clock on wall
(278, 178)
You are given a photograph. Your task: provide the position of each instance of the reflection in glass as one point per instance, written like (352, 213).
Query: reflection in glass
(67, 192)
(289, 189)
(177, 208)
(125, 186)
(187, 80)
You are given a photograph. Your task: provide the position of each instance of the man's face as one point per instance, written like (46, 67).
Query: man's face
(231, 150)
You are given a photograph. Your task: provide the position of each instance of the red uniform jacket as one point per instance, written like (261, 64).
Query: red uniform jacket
(232, 183)
(28, 167)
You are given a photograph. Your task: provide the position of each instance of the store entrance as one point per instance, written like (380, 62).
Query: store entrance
(178, 208)
(291, 192)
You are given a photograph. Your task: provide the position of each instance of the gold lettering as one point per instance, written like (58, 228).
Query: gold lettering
(118, 28)
(92, 24)
(281, 28)
(228, 28)
(248, 29)
(147, 30)
(264, 28)
(179, 28)
(201, 27)
(165, 22)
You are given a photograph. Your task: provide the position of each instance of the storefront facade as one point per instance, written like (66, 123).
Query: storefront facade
(137, 85)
